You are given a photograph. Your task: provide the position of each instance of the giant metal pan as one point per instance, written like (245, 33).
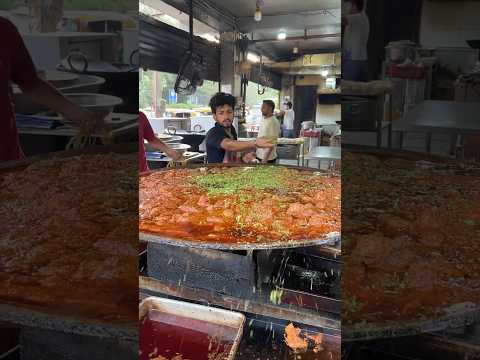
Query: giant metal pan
(49, 319)
(454, 317)
(126, 148)
(24, 316)
(327, 239)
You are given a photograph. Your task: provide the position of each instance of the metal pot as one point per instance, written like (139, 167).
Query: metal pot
(95, 102)
(84, 84)
(58, 78)
(120, 79)
(180, 148)
(64, 82)
(174, 139)
(307, 125)
(399, 51)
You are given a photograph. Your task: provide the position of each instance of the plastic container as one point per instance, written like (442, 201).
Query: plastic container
(406, 72)
(170, 327)
(399, 51)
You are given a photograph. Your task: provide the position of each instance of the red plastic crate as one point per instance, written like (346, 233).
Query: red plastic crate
(406, 72)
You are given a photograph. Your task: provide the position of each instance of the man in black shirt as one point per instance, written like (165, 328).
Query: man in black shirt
(221, 141)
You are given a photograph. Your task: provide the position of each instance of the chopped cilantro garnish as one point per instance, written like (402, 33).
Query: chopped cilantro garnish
(236, 180)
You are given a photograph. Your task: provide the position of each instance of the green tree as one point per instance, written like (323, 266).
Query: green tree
(206, 91)
(7, 4)
(101, 5)
(145, 89)
(253, 98)
(201, 97)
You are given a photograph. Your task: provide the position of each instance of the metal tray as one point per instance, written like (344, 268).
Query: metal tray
(198, 312)
(328, 239)
(254, 304)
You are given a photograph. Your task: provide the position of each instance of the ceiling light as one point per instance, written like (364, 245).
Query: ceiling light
(253, 57)
(324, 73)
(282, 35)
(295, 50)
(258, 14)
(170, 20)
(210, 38)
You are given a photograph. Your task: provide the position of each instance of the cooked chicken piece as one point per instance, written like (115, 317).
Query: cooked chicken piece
(422, 275)
(372, 248)
(392, 225)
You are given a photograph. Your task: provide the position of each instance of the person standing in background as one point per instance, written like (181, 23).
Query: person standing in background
(288, 120)
(222, 141)
(145, 132)
(269, 129)
(17, 66)
(355, 39)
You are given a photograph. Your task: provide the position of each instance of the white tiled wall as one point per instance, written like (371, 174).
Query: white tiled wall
(329, 113)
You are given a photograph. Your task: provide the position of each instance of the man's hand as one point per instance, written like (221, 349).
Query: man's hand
(175, 155)
(159, 145)
(249, 158)
(44, 93)
(264, 143)
(88, 121)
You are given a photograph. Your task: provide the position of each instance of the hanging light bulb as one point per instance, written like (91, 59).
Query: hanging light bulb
(258, 13)
(282, 35)
(253, 57)
(324, 73)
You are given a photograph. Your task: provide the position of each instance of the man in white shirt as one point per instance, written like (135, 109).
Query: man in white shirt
(288, 121)
(355, 39)
(270, 130)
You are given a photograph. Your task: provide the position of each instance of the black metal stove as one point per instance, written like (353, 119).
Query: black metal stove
(271, 287)
(308, 277)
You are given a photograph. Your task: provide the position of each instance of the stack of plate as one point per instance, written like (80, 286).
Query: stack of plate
(62, 81)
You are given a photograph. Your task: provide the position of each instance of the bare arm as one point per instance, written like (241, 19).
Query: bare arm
(161, 146)
(235, 146)
(43, 93)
